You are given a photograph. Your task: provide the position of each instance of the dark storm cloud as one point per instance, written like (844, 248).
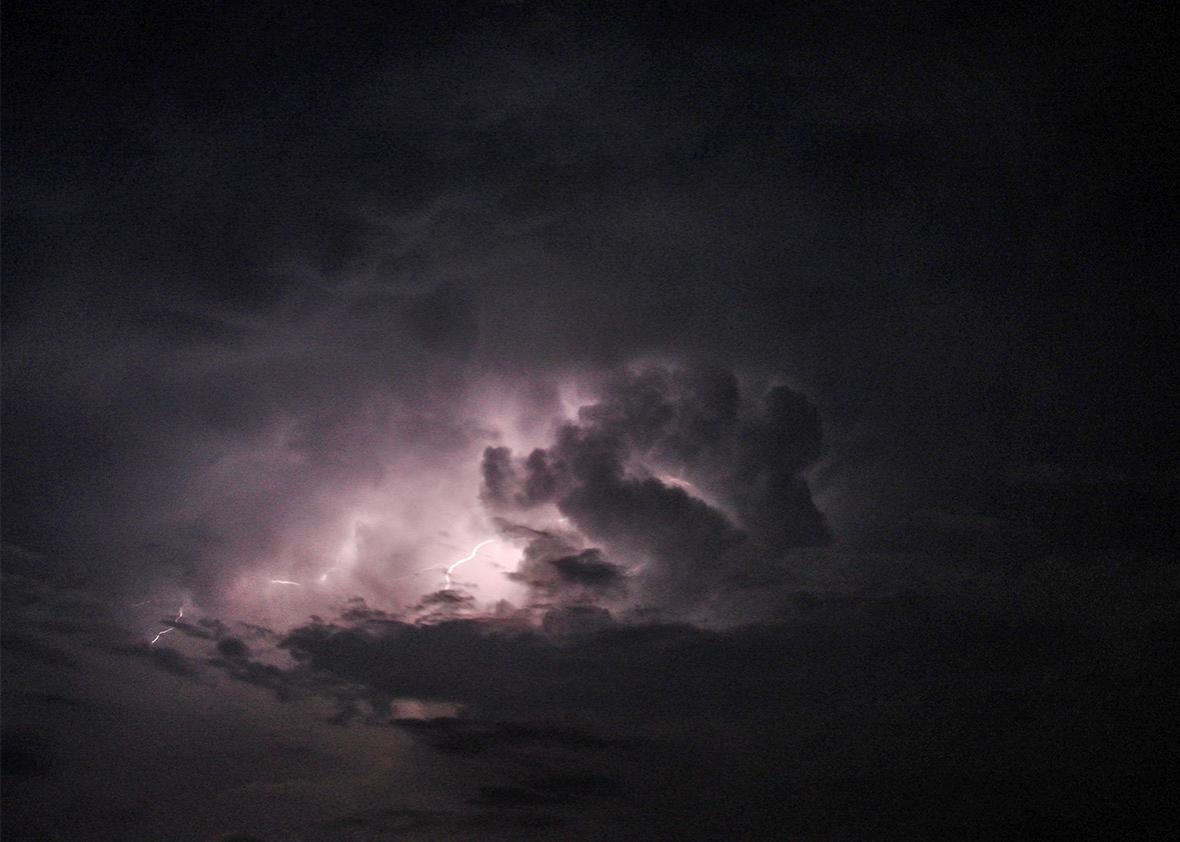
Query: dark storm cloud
(254, 261)
(43, 621)
(405, 821)
(920, 687)
(469, 736)
(233, 648)
(444, 605)
(499, 477)
(555, 570)
(171, 661)
(588, 569)
(687, 539)
(554, 788)
(190, 629)
(267, 676)
(29, 647)
(575, 620)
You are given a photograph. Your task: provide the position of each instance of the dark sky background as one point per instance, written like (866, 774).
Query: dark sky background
(801, 375)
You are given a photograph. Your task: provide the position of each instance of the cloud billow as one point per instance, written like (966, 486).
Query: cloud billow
(672, 468)
(586, 574)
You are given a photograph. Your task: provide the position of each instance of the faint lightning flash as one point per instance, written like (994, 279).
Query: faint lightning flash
(285, 582)
(416, 572)
(466, 558)
(679, 483)
(692, 491)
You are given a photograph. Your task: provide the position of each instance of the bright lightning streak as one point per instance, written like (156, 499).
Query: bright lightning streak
(161, 633)
(285, 582)
(465, 559)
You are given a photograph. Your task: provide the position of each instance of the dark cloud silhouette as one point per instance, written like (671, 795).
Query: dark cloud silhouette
(912, 683)
(576, 620)
(489, 824)
(172, 661)
(470, 736)
(559, 788)
(588, 569)
(29, 647)
(499, 478)
(285, 685)
(1035, 684)
(232, 647)
(190, 629)
(554, 571)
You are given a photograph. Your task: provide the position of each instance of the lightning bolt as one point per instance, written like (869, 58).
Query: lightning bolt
(285, 582)
(464, 560)
(161, 633)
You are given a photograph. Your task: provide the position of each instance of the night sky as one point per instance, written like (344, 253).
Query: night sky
(543, 420)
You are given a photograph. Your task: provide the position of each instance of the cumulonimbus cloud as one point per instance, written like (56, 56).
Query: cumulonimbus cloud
(672, 469)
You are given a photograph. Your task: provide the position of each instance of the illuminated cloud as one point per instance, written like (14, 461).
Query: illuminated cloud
(605, 473)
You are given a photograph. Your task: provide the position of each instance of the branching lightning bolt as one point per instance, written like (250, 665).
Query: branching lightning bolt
(465, 559)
